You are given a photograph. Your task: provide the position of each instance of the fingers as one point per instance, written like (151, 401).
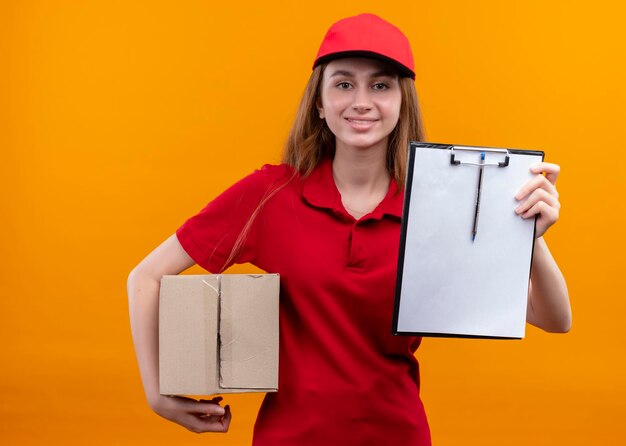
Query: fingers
(551, 170)
(538, 181)
(530, 206)
(541, 199)
(228, 416)
(212, 406)
(543, 205)
(547, 213)
(196, 416)
(204, 407)
(546, 217)
(201, 424)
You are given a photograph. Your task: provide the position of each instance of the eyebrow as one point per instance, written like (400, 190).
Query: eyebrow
(346, 73)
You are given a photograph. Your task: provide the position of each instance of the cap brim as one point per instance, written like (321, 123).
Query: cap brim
(403, 70)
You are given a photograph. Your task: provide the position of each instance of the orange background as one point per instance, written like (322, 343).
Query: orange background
(120, 119)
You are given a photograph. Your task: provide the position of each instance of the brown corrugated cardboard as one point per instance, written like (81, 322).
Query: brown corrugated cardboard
(218, 333)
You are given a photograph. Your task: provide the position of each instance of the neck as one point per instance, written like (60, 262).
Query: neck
(362, 179)
(360, 169)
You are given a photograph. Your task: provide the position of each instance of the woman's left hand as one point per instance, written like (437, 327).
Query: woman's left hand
(541, 197)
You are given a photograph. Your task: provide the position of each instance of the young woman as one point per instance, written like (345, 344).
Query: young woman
(328, 220)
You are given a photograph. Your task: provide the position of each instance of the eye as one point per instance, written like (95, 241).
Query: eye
(344, 85)
(380, 86)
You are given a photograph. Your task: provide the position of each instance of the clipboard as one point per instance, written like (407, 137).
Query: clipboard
(465, 255)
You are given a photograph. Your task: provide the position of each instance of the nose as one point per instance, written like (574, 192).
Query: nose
(361, 101)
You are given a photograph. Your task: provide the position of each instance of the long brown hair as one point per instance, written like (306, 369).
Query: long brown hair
(310, 139)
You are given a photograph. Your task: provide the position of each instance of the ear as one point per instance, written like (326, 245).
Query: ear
(320, 108)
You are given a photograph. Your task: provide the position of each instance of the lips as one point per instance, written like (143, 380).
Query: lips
(361, 123)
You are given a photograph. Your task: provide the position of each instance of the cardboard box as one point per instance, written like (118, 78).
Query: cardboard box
(218, 333)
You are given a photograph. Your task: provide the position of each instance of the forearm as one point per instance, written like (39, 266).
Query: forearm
(143, 301)
(144, 283)
(548, 300)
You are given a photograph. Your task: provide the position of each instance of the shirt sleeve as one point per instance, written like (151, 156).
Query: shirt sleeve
(209, 236)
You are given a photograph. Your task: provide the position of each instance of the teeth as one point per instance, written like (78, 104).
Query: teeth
(360, 121)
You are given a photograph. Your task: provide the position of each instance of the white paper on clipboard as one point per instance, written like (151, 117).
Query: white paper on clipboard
(448, 284)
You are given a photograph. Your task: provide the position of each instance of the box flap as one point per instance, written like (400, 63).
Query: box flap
(188, 321)
(249, 331)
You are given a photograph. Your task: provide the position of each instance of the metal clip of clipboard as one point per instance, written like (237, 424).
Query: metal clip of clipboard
(481, 165)
(456, 162)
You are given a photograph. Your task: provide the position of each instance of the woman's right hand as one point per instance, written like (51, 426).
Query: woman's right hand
(197, 416)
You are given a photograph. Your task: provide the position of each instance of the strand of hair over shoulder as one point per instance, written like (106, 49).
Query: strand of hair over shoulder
(245, 231)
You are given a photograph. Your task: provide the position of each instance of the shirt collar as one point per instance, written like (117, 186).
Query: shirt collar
(319, 190)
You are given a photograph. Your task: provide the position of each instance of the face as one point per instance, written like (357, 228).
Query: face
(360, 101)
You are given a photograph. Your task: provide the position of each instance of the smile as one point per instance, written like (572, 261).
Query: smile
(361, 124)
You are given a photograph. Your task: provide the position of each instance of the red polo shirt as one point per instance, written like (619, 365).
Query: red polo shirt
(343, 378)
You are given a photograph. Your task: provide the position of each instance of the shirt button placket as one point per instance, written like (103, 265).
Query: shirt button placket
(355, 259)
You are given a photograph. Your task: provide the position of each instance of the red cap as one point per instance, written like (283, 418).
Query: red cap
(367, 35)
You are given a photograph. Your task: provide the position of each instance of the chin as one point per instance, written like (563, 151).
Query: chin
(364, 144)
